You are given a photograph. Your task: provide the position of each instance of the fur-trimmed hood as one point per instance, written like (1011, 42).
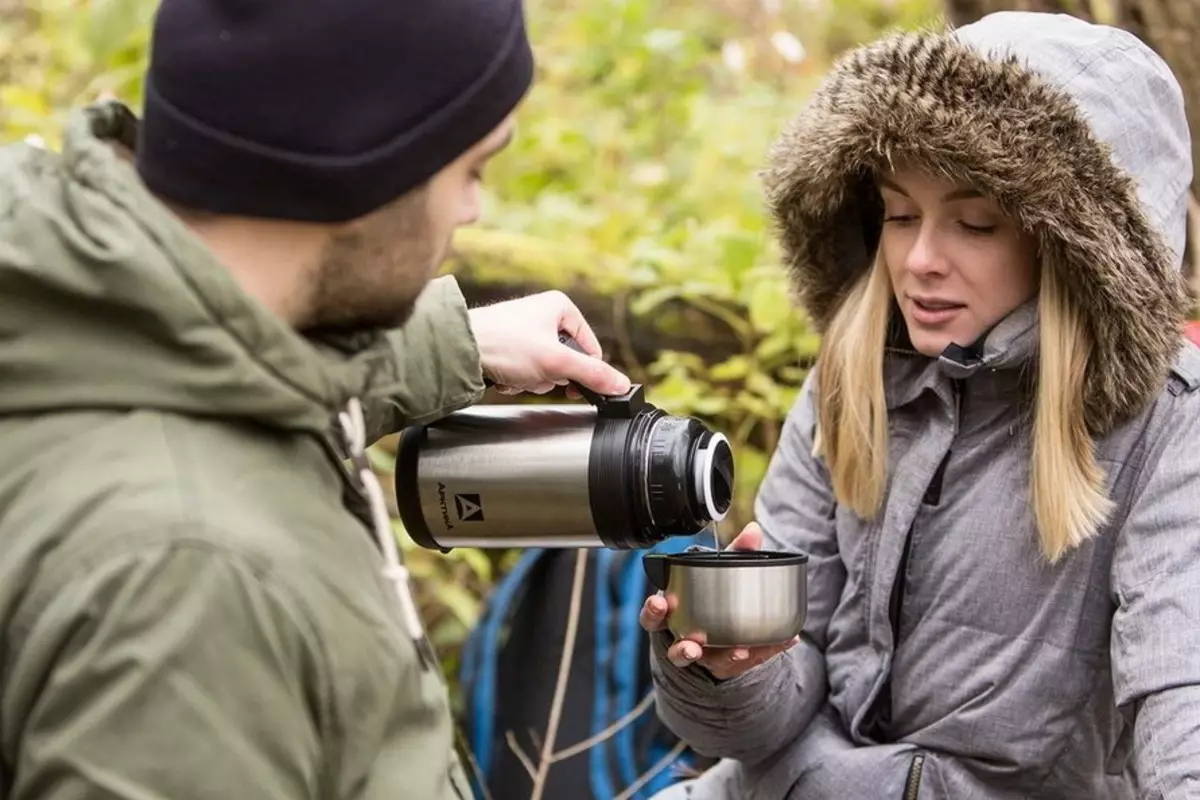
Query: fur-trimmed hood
(1077, 130)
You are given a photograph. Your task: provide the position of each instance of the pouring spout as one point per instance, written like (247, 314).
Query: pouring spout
(658, 570)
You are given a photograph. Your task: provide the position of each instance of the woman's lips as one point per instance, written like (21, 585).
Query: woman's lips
(934, 312)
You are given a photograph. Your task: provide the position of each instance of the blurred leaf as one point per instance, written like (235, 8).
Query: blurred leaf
(648, 301)
(23, 100)
(477, 560)
(113, 24)
(770, 306)
(775, 344)
(809, 344)
(739, 253)
(381, 460)
(459, 601)
(755, 405)
(732, 369)
(448, 634)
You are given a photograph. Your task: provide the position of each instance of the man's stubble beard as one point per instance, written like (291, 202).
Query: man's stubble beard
(370, 275)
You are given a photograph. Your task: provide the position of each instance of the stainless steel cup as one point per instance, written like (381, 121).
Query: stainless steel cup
(735, 598)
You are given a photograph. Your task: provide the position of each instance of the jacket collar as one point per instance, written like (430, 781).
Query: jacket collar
(1003, 355)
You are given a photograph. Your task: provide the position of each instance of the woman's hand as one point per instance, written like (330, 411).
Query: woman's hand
(725, 662)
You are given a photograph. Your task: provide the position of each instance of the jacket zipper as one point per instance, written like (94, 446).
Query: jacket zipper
(912, 787)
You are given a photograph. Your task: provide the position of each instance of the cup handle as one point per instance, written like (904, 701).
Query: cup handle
(658, 570)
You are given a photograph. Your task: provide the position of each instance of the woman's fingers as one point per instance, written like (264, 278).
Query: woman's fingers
(751, 538)
(730, 662)
(684, 652)
(654, 613)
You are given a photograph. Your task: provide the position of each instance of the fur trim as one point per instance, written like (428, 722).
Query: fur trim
(930, 99)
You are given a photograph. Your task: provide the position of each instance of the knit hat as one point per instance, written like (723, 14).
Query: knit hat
(322, 110)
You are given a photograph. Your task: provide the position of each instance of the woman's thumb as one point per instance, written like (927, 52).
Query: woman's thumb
(750, 538)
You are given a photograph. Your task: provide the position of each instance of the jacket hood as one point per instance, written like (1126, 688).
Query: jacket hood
(1076, 130)
(108, 301)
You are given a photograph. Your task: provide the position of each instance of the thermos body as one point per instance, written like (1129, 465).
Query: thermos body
(501, 476)
(620, 473)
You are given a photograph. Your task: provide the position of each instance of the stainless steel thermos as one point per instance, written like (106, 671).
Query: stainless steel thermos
(617, 472)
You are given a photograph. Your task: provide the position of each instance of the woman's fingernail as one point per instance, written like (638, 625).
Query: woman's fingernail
(686, 656)
(738, 655)
(691, 651)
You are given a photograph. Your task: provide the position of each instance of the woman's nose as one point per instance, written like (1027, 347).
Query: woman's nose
(926, 256)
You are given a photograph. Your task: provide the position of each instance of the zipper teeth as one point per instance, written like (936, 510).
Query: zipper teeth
(913, 787)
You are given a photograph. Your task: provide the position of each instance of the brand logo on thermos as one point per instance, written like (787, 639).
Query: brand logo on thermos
(442, 505)
(470, 507)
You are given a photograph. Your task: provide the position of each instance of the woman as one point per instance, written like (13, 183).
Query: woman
(995, 465)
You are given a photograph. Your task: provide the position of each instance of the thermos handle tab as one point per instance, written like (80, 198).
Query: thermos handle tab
(595, 398)
(621, 406)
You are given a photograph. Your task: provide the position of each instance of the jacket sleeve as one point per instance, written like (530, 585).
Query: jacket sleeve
(1156, 626)
(437, 363)
(178, 673)
(751, 717)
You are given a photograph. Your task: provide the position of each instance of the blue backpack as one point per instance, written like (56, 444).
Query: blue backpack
(510, 667)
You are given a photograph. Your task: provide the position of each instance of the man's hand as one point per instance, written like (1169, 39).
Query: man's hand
(725, 662)
(519, 347)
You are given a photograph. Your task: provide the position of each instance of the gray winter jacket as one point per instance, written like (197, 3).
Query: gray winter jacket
(943, 657)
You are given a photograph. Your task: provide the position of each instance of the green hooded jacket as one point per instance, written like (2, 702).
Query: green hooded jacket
(193, 592)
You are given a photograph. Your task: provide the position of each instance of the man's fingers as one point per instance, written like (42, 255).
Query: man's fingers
(593, 373)
(570, 319)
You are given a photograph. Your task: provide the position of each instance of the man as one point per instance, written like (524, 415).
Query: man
(198, 598)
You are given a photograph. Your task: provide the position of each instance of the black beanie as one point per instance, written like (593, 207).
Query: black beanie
(322, 110)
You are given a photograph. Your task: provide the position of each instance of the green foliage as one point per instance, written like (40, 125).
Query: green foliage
(635, 170)
(56, 53)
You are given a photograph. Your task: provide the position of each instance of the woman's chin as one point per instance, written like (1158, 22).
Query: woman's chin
(929, 343)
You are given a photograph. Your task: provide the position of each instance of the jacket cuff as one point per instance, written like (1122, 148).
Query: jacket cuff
(437, 358)
(740, 718)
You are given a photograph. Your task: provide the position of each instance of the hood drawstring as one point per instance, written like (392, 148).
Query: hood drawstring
(354, 432)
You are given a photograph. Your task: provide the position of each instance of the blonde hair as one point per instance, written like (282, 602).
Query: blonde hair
(1067, 487)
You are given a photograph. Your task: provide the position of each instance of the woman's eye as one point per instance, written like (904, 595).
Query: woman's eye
(978, 229)
(899, 218)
